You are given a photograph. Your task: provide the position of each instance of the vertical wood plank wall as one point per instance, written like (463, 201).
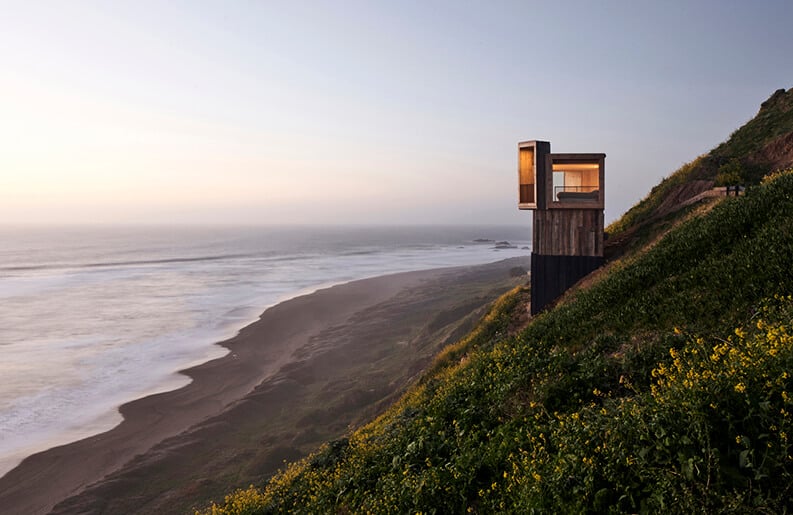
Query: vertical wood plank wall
(568, 232)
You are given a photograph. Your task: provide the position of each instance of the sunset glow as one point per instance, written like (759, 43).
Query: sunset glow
(282, 113)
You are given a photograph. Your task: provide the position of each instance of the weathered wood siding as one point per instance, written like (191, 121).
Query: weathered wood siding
(568, 232)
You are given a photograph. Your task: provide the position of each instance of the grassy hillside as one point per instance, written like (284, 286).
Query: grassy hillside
(663, 385)
(762, 145)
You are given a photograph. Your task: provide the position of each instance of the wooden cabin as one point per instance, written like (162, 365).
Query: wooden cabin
(567, 194)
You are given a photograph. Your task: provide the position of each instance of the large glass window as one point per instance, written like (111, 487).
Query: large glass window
(576, 181)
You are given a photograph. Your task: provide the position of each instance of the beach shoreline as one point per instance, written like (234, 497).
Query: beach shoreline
(265, 360)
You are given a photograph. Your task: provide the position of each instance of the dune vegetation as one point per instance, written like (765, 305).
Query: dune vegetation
(663, 383)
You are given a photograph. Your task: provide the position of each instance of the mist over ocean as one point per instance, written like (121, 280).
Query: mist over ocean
(93, 317)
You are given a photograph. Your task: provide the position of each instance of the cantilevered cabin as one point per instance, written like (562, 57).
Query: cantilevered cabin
(566, 193)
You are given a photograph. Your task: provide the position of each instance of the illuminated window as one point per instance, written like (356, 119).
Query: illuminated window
(575, 180)
(527, 176)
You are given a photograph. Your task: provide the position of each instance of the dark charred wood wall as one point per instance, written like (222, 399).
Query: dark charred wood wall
(553, 275)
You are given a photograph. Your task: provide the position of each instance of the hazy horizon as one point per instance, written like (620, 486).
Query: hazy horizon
(242, 225)
(327, 113)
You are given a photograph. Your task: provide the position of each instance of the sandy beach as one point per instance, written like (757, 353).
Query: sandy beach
(308, 370)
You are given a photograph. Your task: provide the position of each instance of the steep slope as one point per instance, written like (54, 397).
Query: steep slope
(662, 385)
(762, 145)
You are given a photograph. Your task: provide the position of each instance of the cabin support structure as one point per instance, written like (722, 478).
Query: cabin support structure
(566, 193)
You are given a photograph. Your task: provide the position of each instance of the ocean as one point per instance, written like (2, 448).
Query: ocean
(93, 317)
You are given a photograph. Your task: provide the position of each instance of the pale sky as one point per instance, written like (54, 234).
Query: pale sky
(361, 112)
